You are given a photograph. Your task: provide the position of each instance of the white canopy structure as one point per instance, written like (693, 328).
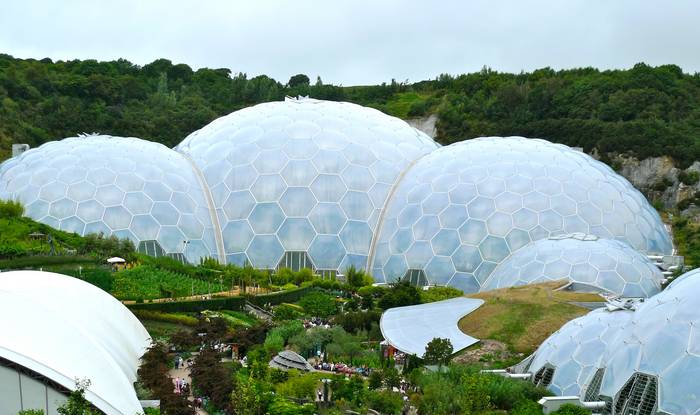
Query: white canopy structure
(61, 329)
(116, 260)
(411, 328)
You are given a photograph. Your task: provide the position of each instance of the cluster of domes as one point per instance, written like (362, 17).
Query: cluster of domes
(644, 361)
(327, 185)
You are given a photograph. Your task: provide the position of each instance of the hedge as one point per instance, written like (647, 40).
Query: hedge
(43, 261)
(228, 303)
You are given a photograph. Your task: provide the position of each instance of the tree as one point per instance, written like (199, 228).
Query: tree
(375, 380)
(391, 376)
(318, 304)
(213, 378)
(298, 80)
(400, 293)
(438, 351)
(76, 403)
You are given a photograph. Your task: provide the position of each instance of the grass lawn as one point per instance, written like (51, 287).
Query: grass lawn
(523, 317)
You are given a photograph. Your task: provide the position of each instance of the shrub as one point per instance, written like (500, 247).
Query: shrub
(11, 209)
(689, 177)
(318, 304)
(439, 293)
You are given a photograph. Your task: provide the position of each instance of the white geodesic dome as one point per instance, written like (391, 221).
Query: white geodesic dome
(65, 329)
(568, 359)
(654, 365)
(120, 186)
(645, 361)
(461, 210)
(589, 264)
(303, 175)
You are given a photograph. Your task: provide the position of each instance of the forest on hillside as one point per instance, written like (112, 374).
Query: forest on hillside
(643, 111)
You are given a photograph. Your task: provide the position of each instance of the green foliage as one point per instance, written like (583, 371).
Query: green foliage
(213, 378)
(438, 351)
(181, 319)
(318, 304)
(385, 402)
(16, 244)
(278, 337)
(439, 293)
(644, 110)
(148, 281)
(400, 293)
(689, 178)
(356, 321)
(76, 403)
(299, 386)
(569, 409)
(11, 209)
(281, 406)
(357, 278)
(31, 412)
(686, 236)
(287, 312)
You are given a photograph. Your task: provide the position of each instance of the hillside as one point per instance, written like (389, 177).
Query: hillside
(643, 111)
(522, 317)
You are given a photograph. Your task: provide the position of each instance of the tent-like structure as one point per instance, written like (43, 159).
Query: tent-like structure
(287, 359)
(57, 329)
(409, 329)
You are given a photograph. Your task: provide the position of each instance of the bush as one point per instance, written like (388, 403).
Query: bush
(439, 293)
(166, 317)
(11, 209)
(318, 304)
(689, 177)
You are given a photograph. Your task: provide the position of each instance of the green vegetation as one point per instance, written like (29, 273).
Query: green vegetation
(686, 235)
(22, 240)
(644, 110)
(438, 294)
(522, 317)
(148, 282)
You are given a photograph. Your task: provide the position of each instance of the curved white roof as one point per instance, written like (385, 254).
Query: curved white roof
(64, 328)
(411, 328)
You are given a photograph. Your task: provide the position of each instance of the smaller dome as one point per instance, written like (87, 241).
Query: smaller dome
(659, 346)
(287, 359)
(568, 359)
(588, 262)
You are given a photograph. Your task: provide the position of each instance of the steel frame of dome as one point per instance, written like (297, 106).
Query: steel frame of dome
(586, 261)
(345, 184)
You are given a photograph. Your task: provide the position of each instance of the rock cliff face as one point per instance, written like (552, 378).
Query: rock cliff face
(425, 124)
(660, 180)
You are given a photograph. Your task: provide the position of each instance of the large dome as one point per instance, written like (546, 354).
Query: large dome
(119, 186)
(586, 261)
(304, 177)
(461, 210)
(63, 329)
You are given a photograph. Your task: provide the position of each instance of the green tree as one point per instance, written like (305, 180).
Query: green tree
(438, 352)
(77, 404)
(298, 80)
(318, 304)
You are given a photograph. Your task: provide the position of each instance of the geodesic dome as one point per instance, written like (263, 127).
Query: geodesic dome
(461, 210)
(302, 181)
(120, 186)
(568, 359)
(654, 365)
(586, 261)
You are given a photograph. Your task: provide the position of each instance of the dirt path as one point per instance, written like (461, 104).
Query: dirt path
(184, 373)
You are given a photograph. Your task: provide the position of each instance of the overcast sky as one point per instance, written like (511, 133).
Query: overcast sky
(358, 42)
